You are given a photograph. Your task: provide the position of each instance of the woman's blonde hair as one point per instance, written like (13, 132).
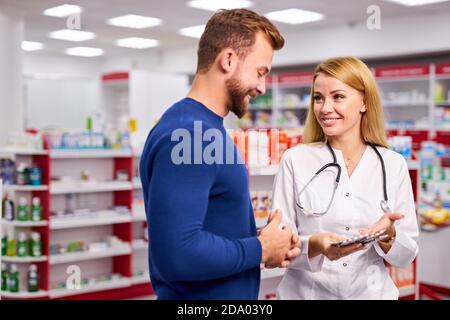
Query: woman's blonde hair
(354, 73)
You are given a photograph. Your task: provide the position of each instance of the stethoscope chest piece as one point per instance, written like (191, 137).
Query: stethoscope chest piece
(384, 206)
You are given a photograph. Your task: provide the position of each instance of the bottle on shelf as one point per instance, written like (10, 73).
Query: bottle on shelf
(35, 176)
(4, 244)
(23, 210)
(35, 245)
(7, 171)
(36, 209)
(13, 280)
(428, 160)
(4, 277)
(8, 208)
(11, 245)
(22, 174)
(22, 245)
(33, 278)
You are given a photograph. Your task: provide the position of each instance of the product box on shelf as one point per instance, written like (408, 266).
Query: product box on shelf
(70, 139)
(404, 278)
(264, 147)
(261, 203)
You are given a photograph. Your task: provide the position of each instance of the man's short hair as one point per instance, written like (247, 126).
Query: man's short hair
(235, 29)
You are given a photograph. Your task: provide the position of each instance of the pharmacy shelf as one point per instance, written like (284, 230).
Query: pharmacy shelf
(91, 154)
(139, 214)
(282, 86)
(272, 273)
(263, 171)
(25, 188)
(140, 279)
(119, 195)
(407, 291)
(402, 79)
(139, 244)
(402, 127)
(303, 106)
(24, 152)
(393, 104)
(24, 224)
(100, 218)
(82, 256)
(24, 259)
(139, 218)
(24, 294)
(413, 164)
(106, 285)
(89, 187)
(260, 108)
(137, 183)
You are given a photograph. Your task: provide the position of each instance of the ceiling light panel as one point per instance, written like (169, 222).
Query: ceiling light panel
(294, 16)
(71, 35)
(64, 10)
(413, 3)
(213, 5)
(32, 46)
(137, 43)
(84, 52)
(134, 21)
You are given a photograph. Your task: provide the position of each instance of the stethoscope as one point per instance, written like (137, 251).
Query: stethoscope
(383, 203)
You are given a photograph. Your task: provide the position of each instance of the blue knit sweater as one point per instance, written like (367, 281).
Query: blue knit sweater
(201, 226)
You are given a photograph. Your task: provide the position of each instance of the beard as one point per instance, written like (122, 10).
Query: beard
(237, 94)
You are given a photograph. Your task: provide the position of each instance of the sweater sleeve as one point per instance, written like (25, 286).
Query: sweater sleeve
(178, 198)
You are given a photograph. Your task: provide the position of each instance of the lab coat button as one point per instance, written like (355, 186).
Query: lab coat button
(344, 264)
(347, 194)
(347, 228)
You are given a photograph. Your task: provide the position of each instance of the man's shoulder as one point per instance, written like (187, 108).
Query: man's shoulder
(183, 115)
(175, 113)
(181, 122)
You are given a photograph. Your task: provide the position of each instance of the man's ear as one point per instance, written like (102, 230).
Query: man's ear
(227, 60)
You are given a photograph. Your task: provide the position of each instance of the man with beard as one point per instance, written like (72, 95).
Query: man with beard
(202, 234)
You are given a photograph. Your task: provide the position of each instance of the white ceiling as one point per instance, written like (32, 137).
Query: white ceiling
(176, 14)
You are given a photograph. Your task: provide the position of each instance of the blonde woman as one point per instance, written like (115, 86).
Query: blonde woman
(343, 182)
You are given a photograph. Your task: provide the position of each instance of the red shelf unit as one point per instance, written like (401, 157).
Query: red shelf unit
(120, 264)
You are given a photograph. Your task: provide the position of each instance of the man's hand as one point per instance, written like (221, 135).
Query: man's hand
(295, 249)
(279, 245)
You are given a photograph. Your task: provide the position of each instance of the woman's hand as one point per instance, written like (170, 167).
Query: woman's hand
(385, 222)
(322, 243)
